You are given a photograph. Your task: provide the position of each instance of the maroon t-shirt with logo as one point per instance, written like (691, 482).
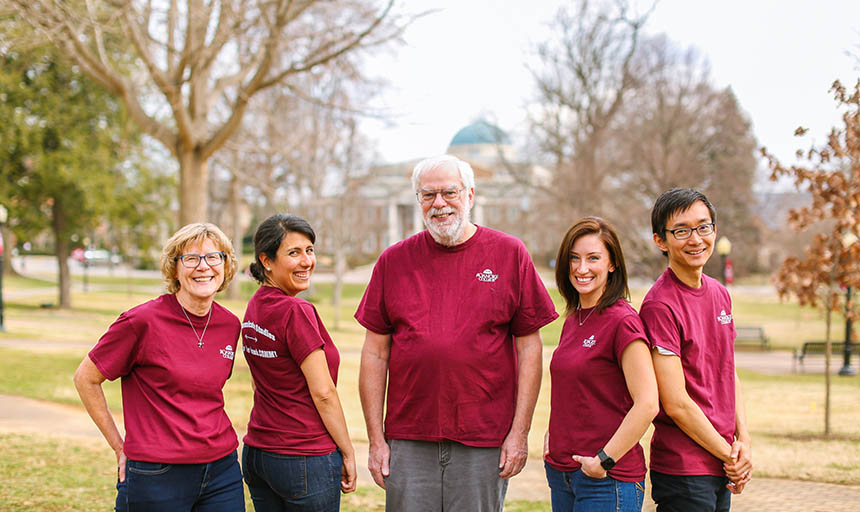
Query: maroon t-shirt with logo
(278, 333)
(589, 396)
(696, 324)
(453, 313)
(173, 407)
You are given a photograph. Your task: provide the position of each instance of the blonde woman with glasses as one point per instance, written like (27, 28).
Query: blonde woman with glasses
(173, 356)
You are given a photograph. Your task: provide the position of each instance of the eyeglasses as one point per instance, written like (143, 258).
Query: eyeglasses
(213, 259)
(685, 233)
(448, 194)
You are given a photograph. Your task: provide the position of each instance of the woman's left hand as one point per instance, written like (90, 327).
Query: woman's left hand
(591, 466)
(347, 474)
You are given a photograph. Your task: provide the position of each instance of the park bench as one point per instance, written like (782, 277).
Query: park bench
(817, 347)
(751, 336)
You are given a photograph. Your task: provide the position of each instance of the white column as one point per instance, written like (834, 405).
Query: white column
(417, 220)
(393, 221)
(478, 211)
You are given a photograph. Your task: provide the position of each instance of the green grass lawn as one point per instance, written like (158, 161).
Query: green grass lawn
(785, 412)
(48, 474)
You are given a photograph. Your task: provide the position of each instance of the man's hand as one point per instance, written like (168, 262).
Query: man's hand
(377, 462)
(741, 461)
(591, 466)
(740, 470)
(515, 452)
(738, 487)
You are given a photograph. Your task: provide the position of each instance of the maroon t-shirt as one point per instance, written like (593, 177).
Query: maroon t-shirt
(697, 325)
(589, 396)
(278, 333)
(173, 407)
(453, 313)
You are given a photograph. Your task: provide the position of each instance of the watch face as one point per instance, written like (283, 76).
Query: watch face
(606, 462)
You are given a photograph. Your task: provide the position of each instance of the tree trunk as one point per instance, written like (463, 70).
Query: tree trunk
(61, 245)
(9, 242)
(339, 262)
(337, 291)
(235, 227)
(827, 349)
(193, 186)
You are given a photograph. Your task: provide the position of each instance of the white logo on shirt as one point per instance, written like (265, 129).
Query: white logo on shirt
(227, 352)
(487, 276)
(262, 330)
(268, 354)
(589, 342)
(724, 318)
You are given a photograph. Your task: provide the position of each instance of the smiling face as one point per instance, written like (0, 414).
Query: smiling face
(688, 257)
(590, 266)
(447, 221)
(293, 264)
(199, 284)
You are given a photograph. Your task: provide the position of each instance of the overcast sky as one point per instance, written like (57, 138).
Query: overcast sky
(469, 60)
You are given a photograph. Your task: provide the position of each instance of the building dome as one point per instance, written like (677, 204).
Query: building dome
(480, 132)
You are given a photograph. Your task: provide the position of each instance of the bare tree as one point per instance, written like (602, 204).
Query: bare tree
(586, 73)
(350, 171)
(197, 63)
(831, 175)
(678, 130)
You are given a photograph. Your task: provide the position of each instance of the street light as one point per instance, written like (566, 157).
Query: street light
(848, 240)
(86, 242)
(3, 216)
(724, 247)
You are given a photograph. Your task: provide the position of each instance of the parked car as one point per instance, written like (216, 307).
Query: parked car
(101, 257)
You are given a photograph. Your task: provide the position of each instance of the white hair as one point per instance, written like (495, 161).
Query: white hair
(467, 175)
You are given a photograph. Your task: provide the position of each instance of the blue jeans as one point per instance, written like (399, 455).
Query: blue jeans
(690, 493)
(211, 487)
(574, 490)
(292, 482)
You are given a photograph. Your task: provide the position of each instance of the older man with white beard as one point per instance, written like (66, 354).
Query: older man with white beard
(452, 316)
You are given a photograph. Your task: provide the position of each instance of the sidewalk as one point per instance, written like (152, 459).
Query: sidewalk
(782, 362)
(19, 414)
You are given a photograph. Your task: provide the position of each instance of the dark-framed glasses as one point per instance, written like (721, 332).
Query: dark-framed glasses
(448, 194)
(213, 259)
(685, 233)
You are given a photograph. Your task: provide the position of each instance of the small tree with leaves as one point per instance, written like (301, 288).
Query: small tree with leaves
(831, 175)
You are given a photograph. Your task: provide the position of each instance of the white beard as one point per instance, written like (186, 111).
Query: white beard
(450, 231)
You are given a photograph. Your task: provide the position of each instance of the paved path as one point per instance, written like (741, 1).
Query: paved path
(19, 414)
(781, 362)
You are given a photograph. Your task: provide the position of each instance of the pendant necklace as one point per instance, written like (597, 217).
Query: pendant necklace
(200, 337)
(579, 314)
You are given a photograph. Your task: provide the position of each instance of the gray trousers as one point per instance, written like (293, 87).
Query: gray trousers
(443, 477)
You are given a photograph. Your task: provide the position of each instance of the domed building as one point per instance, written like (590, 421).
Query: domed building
(388, 212)
(482, 141)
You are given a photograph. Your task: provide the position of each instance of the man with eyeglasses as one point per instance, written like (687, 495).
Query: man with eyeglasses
(700, 451)
(452, 316)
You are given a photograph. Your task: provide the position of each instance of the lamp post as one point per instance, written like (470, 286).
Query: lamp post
(3, 216)
(848, 240)
(86, 242)
(724, 247)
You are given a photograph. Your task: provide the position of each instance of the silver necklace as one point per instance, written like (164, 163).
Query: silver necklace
(579, 314)
(200, 337)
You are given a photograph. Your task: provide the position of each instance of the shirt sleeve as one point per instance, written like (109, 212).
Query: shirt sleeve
(302, 332)
(535, 308)
(629, 329)
(116, 351)
(661, 327)
(371, 312)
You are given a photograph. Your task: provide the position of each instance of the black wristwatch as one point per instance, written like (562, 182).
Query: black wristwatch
(606, 462)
